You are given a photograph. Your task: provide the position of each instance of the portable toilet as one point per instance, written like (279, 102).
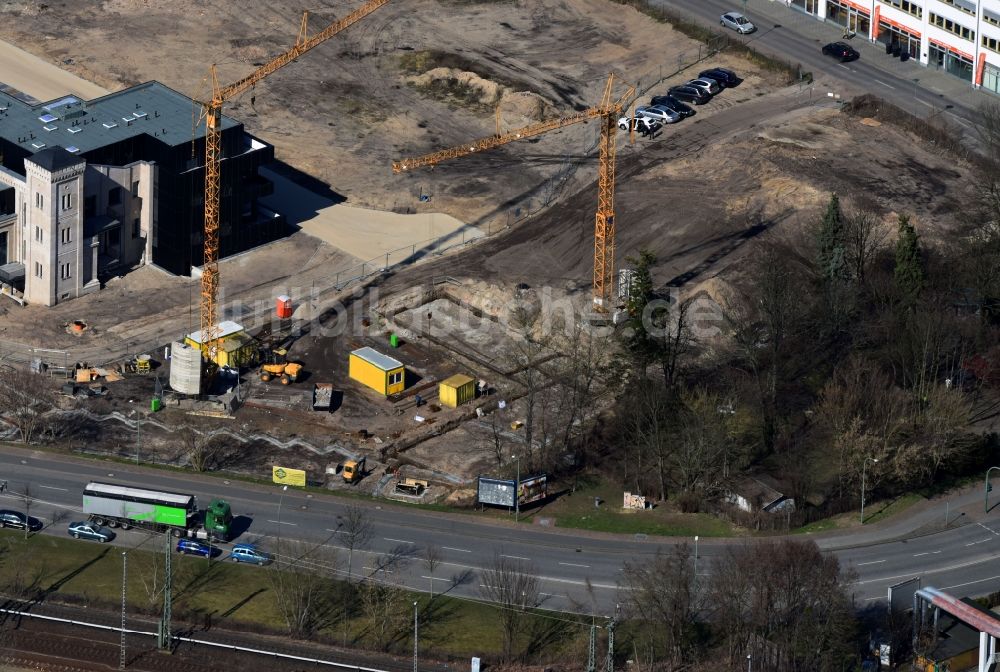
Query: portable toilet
(283, 306)
(380, 372)
(457, 390)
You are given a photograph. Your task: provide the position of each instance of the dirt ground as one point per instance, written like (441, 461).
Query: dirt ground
(759, 160)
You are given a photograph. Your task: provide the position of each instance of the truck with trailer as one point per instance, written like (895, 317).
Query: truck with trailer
(159, 511)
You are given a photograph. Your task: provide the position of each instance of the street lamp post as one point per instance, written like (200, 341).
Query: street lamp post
(987, 489)
(415, 637)
(517, 488)
(749, 661)
(696, 557)
(137, 438)
(281, 498)
(864, 464)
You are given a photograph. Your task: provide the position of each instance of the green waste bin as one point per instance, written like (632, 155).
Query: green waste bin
(155, 404)
(393, 340)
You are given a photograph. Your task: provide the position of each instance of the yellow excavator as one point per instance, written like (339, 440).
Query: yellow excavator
(278, 366)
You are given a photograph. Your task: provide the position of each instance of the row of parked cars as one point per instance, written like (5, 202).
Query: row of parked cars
(247, 553)
(673, 107)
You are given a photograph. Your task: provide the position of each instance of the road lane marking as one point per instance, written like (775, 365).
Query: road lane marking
(873, 562)
(282, 522)
(514, 557)
(572, 564)
(950, 568)
(52, 487)
(969, 583)
(888, 86)
(460, 550)
(973, 543)
(917, 555)
(398, 541)
(994, 532)
(435, 578)
(925, 103)
(336, 531)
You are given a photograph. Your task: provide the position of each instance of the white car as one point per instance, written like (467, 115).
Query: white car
(638, 123)
(737, 22)
(662, 114)
(709, 86)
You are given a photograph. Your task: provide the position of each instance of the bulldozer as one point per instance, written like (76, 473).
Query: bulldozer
(276, 365)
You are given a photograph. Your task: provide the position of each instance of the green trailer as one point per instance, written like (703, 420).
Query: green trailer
(125, 507)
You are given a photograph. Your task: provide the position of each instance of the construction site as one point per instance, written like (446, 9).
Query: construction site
(460, 205)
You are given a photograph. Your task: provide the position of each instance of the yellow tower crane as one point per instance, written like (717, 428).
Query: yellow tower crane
(211, 112)
(604, 225)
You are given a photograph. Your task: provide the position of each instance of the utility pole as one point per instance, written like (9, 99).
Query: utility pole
(517, 489)
(121, 658)
(609, 662)
(163, 636)
(416, 636)
(873, 460)
(591, 663)
(988, 488)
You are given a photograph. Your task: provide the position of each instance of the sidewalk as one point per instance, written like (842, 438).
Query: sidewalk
(823, 32)
(962, 507)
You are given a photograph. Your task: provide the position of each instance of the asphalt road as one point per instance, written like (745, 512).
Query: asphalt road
(577, 570)
(780, 34)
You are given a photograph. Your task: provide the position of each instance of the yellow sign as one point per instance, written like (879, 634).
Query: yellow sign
(286, 476)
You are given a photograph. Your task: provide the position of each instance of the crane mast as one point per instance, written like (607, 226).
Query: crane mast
(604, 226)
(212, 113)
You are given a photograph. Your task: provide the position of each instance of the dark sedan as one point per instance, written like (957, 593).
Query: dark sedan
(841, 51)
(723, 76)
(19, 521)
(689, 94)
(672, 103)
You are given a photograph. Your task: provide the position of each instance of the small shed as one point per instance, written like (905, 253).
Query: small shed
(759, 493)
(232, 346)
(457, 390)
(382, 373)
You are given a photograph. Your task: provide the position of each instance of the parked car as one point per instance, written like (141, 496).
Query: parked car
(192, 547)
(709, 86)
(674, 104)
(841, 51)
(19, 521)
(689, 94)
(90, 531)
(249, 553)
(737, 22)
(639, 123)
(664, 115)
(726, 78)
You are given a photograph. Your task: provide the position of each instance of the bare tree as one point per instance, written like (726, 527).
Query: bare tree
(431, 558)
(356, 532)
(865, 235)
(513, 587)
(384, 605)
(300, 586)
(24, 397)
(786, 604)
(663, 594)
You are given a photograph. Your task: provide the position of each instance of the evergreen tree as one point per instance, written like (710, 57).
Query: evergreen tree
(831, 258)
(644, 347)
(909, 271)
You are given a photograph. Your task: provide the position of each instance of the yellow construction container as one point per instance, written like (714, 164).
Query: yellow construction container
(380, 372)
(457, 390)
(232, 346)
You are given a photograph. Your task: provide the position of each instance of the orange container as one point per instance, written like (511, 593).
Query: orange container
(283, 306)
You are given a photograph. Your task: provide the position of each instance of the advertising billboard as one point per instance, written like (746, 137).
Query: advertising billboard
(496, 491)
(531, 490)
(287, 476)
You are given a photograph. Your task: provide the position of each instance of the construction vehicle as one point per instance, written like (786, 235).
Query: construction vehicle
(278, 366)
(211, 112)
(353, 471)
(411, 486)
(155, 510)
(608, 112)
